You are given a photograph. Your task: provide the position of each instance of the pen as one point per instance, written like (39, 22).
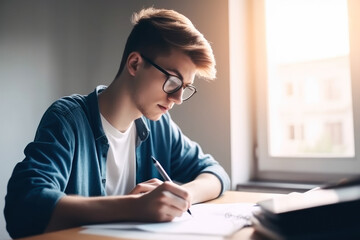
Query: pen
(163, 173)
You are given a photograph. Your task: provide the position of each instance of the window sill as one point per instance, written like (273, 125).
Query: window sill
(274, 187)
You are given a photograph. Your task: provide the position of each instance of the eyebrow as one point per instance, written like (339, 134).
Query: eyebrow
(178, 74)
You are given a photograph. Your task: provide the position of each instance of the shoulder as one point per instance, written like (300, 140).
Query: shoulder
(67, 104)
(67, 110)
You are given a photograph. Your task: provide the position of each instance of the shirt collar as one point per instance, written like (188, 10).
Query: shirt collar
(141, 126)
(142, 130)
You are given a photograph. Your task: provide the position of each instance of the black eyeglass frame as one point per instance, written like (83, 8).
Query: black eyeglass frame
(168, 75)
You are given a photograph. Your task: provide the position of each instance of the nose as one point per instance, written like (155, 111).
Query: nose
(176, 97)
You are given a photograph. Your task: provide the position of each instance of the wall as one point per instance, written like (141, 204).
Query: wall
(49, 49)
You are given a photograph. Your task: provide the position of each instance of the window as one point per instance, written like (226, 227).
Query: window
(307, 88)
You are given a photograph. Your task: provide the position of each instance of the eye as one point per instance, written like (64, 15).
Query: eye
(172, 84)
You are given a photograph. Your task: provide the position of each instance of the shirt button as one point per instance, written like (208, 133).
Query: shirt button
(103, 181)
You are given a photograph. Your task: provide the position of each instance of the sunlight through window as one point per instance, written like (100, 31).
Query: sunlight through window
(309, 83)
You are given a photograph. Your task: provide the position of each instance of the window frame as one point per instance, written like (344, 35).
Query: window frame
(311, 169)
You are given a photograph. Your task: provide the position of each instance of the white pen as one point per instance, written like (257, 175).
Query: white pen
(163, 173)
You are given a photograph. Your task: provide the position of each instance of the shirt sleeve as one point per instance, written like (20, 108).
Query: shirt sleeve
(38, 182)
(188, 160)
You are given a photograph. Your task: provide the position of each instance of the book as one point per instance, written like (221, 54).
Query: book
(320, 214)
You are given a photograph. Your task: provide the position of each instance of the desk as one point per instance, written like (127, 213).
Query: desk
(228, 197)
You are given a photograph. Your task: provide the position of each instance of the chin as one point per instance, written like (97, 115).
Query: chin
(153, 117)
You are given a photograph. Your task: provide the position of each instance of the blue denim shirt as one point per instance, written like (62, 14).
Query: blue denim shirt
(68, 156)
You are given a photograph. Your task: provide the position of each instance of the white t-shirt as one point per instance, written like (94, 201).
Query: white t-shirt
(120, 163)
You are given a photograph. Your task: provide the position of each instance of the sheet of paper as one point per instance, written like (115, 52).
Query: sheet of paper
(138, 234)
(206, 219)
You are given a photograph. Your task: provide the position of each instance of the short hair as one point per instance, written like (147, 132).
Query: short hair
(157, 31)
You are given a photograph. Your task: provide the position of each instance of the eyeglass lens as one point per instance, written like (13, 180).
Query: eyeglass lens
(173, 84)
(187, 93)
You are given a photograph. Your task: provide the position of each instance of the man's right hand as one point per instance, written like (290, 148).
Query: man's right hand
(162, 204)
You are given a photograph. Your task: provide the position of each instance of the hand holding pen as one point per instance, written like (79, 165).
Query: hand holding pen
(163, 173)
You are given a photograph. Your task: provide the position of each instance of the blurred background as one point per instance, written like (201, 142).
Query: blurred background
(282, 115)
(49, 49)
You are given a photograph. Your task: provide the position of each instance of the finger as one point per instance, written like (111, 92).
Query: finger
(175, 202)
(142, 188)
(151, 184)
(168, 206)
(154, 181)
(177, 190)
(161, 205)
(146, 186)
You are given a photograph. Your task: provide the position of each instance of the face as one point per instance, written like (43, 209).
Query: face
(148, 95)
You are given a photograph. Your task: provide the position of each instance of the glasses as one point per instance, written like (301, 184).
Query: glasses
(173, 83)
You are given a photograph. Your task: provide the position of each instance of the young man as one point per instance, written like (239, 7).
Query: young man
(91, 161)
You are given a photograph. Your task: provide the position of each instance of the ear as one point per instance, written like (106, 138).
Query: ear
(133, 63)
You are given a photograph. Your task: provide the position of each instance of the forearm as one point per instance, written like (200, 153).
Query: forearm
(205, 187)
(161, 204)
(73, 211)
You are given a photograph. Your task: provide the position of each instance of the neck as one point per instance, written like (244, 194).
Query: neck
(116, 105)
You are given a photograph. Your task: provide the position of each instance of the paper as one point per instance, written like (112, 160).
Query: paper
(137, 234)
(206, 219)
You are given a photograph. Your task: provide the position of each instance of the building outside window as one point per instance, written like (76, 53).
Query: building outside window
(304, 59)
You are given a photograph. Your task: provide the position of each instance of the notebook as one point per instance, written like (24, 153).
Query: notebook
(320, 214)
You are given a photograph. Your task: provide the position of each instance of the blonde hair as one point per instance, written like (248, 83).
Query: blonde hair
(157, 31)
